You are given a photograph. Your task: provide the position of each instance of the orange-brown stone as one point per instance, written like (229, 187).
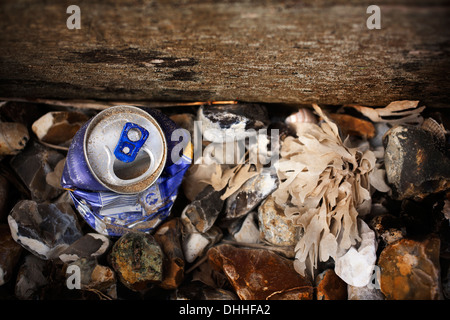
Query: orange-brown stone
(258, 274)
(330, 287)
(410, 270)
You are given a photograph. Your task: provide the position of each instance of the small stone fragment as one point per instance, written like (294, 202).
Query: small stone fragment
(258, 274)
(204, 210)
(91, 245)
(13, 138)
(387, 228)
(410, 270)
(364, 293)
(250, 194)
(138, 260)
(54, 178)
(197, 290)
(58, 127)
(225, 123)
(95, 277)
(10, 252)
(330, 287)
(410, 150)
(275, 227)
(33, 165)
(245, 230)
(168, 236)
(195, 244)
(44, 229)
(31, 278)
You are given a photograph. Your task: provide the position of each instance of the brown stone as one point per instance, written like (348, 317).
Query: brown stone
(410, 270)
(354, 126)
(330, 287)
(258, 274)
(168, 236)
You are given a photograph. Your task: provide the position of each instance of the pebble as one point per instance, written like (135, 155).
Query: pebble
(412, 149)
(10, 252)
(138, 260)
(250, 194)
(258, 274)
(356, 266)
(168, 235)
(33, 165)
(245, 230)
(330, 287)
(90, 245)
(226, 123)
(58, 127)
(350, 125)
(205, 209)
(94, 277)
(13, 138)
(410, 270)
(44, 229)
(195, 244)
(388, 228)
(274, 226)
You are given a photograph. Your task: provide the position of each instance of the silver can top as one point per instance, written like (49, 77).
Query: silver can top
(125, 149)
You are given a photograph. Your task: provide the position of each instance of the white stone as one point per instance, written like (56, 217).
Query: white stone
(356, 266)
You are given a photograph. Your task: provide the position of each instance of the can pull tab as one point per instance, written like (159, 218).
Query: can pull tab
(130, 142)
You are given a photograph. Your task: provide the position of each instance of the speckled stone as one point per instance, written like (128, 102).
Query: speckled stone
(138, 260)
(410, 270)
(274, 226)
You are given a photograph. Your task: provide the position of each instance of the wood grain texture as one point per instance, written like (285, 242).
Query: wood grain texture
(256, 51)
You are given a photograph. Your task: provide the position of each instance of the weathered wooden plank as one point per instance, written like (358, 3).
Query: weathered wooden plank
(266, 51)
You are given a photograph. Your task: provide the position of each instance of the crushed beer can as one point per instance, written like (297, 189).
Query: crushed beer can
(124, 168)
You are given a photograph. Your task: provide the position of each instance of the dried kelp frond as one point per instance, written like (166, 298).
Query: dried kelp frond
(397, 112)
(323, 186)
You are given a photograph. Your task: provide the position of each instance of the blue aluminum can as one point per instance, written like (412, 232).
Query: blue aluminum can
(121, 171)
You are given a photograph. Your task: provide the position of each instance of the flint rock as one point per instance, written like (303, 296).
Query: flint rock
(31, 278)
(138, 260)
(205, 209)
(168, 236)
(250, 194)
(246, 229)
(410, 270)
(33, 165)
(415, 164)
(197, 290)
(275, 227)
(91, 245)
(258, 274)
(330, 287)
(225, 123)
(58, 127)
(13, 138)
(195, 244)
(44, 229)
(10, 252)
(93, 276)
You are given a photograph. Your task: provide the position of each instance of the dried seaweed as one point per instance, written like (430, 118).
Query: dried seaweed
(324, 185)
